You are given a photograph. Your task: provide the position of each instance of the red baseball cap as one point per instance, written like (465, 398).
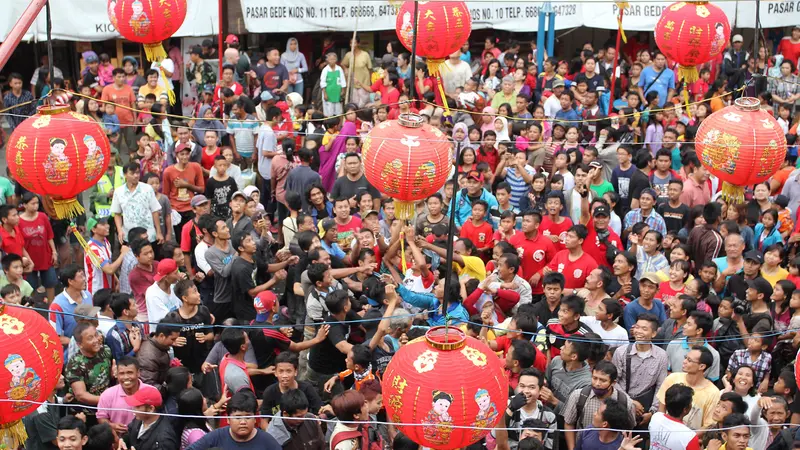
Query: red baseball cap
(231, 39)
(146, 395)
(475, 175)
(165, 267)
(264, 302)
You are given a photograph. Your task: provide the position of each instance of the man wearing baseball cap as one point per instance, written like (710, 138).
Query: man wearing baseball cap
(97, 265)
(148, 430)
(646, 213)
(182, 181)
(473, 192)
(734, 64)
(758, 294)
(160, 297)
(191, 229)
(269, 341)
(602, 243)
(198, 71)
(750, 270)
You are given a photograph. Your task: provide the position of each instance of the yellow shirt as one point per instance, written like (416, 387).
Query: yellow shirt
(779, 275)
(473, 267)
(703, 402)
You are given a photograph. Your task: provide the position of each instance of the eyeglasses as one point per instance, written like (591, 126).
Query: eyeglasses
(686, 358)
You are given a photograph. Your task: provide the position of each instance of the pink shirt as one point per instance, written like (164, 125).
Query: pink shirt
(112, 405)
(695, 194)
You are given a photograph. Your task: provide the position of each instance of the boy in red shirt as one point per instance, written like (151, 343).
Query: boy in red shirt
(573, 262)
(534, 251)
(479, 231)
(554, 225)
(567, 324)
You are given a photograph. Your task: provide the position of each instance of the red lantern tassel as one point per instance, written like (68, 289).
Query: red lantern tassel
(154, 52)
(13, 433)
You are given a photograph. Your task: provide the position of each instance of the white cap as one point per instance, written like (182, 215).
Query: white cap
(737, 38)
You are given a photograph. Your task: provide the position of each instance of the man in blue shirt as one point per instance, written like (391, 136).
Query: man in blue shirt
(567, 115)
(658, 78)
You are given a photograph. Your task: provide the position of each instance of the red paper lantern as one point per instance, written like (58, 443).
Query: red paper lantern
(442, 382)
(741, 145)
(148, 22)
(407, 160)
(692, 33)
(58, 153)
(442, 29)
(32, 359)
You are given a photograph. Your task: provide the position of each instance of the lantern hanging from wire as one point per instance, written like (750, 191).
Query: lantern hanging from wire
(407, 160)
(692, 33)
(32, 360)
(448, 389)
(442, 28)
(58, 153)
(741, 145)
(148, 22)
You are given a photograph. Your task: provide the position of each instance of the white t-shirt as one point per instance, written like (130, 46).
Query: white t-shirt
(670, 434)
(159, 303)
(614, 337)
(164, 81)
(551, 106)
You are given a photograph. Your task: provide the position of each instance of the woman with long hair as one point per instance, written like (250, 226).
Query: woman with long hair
(189, 426)
(318, 204)
(178, 379)
(491, 78)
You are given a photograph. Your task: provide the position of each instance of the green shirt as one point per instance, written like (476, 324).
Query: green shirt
(25, 288)
(95, 372)
(333, 79)
(6, 189)
(602, 188)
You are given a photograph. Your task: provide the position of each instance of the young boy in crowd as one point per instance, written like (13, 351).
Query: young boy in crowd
(567, 324)
(12, 274)
(755, 356)
(359, 369)
(11, 294)
(479, 231)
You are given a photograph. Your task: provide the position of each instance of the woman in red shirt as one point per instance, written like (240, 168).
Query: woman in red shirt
(387, 86)
(39, 243)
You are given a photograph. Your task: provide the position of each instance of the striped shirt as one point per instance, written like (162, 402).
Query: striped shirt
(244, 132)
(96, 279)
(518, 185)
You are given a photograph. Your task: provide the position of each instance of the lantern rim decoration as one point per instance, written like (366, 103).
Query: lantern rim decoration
(445, 390)
(148, 22)
(741, 145)
(692, 33)
(32, 359)
(58, 153)
(442, 28)
(406, 159)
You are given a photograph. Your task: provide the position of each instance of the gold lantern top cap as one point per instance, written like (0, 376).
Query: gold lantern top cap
(48, 110)
(446, 338)
(410, 120)
(747, 104)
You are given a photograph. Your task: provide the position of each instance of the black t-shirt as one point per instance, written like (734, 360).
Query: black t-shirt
(343, 187)
(543, 313)
(639, 182)
(673, 217)
(594, 82)
(272, 398)
(614, 286)
(220, 193)
(325, 358)
(267, 344)
(194, 352)
(242, 280)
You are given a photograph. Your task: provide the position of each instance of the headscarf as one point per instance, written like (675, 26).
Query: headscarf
(201, 125)
(490, 126)
(462, 126)
(291, 56)
(501, 135)
(296, 99)
(328, 156)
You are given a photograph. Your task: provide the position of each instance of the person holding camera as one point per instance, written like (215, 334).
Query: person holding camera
(739, 282)
(602, 243)
(755, 312)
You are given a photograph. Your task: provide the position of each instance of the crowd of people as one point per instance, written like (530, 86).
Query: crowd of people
(244, 286)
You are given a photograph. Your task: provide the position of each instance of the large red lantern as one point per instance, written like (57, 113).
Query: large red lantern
(692, 33)
(407, 160)
(147, 22)
(448, 390)
(442, 29)
(741, 145)
(32, 359)
(58, 153)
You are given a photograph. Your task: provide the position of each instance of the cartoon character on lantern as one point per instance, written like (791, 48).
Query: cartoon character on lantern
(720, 41)
(139, 22)
(437, 427)
(24, 383)
(57, 165)
(94, 158)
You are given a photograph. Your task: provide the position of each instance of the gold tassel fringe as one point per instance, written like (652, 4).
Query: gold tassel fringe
(689, 74)
(67, 209)
(154, 52)
(14, 432)
(732, 194)
(404, 210)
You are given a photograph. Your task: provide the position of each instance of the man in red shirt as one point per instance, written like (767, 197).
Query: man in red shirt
(574, 263)
(11, 238)
(182, 181)
(346, 225)
(534, 250)
(554, 225)
(600, 236)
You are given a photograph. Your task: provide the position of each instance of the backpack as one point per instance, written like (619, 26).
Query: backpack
(584, 396)
(361, 435)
